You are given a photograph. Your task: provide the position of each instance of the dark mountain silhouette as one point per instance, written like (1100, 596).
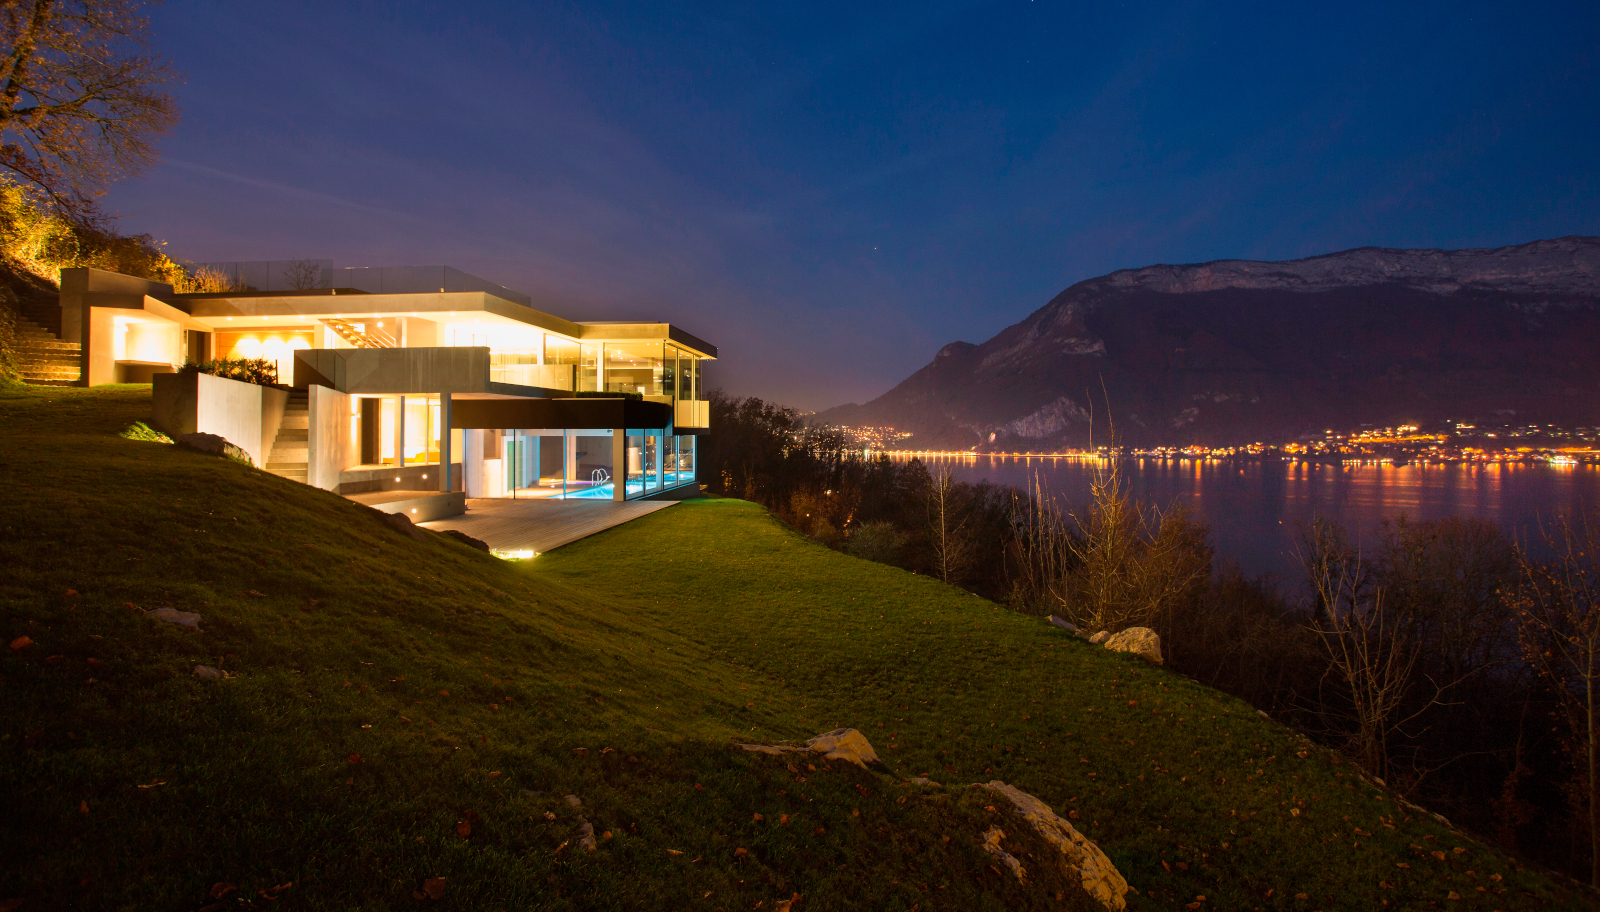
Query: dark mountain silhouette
(1236, 351)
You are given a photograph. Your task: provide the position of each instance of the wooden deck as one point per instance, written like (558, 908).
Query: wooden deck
(541, 524)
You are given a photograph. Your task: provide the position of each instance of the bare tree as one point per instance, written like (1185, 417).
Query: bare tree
(80, 100)
(303, 275)
(1558, 605)
(952, 545)
(1134, 564)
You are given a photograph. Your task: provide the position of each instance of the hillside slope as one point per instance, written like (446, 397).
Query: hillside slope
(401, 710)
(1237, 351)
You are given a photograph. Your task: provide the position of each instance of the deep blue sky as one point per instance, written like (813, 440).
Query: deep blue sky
(831, 192)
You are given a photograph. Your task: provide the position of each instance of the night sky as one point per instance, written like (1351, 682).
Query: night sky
(831, 192)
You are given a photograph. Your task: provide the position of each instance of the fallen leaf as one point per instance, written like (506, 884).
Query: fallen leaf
(153, 783)
(1459, 850)
(444, 693)
(221, 889)
(71, 593)
(674, 852)
(784, 818)
(253, 593)
(738, 853)
(433, 887)
(494, 774)
(366, 726)
(1299, 896)
(1438, 856)
(758, 817)
(51, 660)
(94, 662)
(1453, 895)
(463, 829)
(355, 758)
(21, 643)
(83, 807)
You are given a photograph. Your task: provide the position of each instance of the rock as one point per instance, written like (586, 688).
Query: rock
(844, 744)
(991, 844)
(21, 643)
(1141, 641)
(923, 780)
(402, 523)
(586, 835)
(467, 540)
(1064, 624)
(1099, 638)
(216, 446)
(208, 673)
(575, 801)
(174, 616)
(1099, 877)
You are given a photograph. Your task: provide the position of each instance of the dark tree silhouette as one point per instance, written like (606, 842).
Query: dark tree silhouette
(81, 99)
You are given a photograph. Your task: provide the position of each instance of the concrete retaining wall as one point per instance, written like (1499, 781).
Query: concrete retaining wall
(237, 412)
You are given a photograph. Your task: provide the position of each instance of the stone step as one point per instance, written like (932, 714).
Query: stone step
(292, 422)
(293, 473)
(49, 342)
(33, 381)
(289, 455)
(286, 434)
(48, 355)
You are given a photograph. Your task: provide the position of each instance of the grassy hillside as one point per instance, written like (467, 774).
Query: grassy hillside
(400, 710)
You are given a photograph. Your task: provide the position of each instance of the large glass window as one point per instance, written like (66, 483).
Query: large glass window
(634, 367)
(589, 368)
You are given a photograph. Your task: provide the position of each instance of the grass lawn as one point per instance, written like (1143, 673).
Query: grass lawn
(399, 710)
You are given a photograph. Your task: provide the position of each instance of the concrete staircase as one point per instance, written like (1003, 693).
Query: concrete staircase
(289, 457)
(46, 360)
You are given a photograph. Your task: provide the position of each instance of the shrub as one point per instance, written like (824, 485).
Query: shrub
(247, 370)
(141, 431)
(877, 541)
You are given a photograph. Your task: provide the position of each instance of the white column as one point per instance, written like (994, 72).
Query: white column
(619, 464)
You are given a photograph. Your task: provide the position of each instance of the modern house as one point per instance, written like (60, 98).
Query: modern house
(408, 378)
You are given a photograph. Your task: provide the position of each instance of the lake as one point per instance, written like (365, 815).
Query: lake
(1254, 508)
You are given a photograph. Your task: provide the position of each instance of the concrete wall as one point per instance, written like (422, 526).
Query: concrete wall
(234, 411)
(332, 439)
(391, 371)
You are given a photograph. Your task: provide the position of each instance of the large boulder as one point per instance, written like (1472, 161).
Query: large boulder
(844, 744)
(1099, 877)
(840, 744)
(1141, 641)
(216, 446)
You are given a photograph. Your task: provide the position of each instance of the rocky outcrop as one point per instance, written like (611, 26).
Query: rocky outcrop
(1238, 351)
(215, 446)
(1079, 856)
(1141, 641)
(845, 744)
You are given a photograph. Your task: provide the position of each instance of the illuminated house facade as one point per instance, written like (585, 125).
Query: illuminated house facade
(409, 378)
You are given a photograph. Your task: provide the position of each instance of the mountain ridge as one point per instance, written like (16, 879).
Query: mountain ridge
(1235, 351)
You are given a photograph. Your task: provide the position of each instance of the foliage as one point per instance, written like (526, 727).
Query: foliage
(877, 541)
(141, 431)
(205, 280)
(260, 371)
(81, 100)
(43, 242)
(617, 669)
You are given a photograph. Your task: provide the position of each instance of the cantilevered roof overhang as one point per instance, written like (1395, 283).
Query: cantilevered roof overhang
(233, 310)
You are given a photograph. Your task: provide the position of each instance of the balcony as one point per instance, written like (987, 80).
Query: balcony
(692, 413)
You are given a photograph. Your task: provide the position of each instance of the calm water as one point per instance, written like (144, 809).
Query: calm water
(1254, 508)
